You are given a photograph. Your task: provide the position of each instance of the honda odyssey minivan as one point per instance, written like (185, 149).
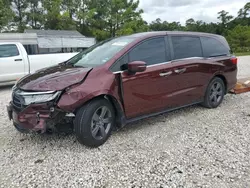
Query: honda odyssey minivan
(122, 80)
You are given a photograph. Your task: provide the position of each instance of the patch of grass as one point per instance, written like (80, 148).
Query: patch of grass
(242, 53)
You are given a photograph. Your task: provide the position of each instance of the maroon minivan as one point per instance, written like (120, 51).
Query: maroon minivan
(122, 80)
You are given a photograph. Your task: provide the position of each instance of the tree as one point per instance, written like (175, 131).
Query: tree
(158, 25)
(200, 26)
(242, 13)
(20, 10)
(52, 18)
(35, 16)
(111, 18)
(225, 18)
(246, 10)
(239, 38)
(70, 6)
(55, 18)
(6, 14)
(191, 25)
(84, 14)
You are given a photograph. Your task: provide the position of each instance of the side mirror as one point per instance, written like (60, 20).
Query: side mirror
(137, 66)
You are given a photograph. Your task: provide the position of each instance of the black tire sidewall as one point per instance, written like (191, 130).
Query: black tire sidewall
(20, 129)
(83, 120)
(207, 101)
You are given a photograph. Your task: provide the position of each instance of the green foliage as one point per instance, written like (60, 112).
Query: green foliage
(35, 16)
(158, 25)
(20, 10)
(52, 14)
(239, 38)
(242, 53)
(236, 30)
(110, 18)
(115, 17)
(200, 26)
(6, 14)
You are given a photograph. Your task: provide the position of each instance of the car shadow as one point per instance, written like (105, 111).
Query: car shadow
(60, 139)
(151, 121)
(3, 88)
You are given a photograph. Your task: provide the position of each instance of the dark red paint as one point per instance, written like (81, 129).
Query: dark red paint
(137, 66)
(28, 117)
(53, 78)
(166, 86)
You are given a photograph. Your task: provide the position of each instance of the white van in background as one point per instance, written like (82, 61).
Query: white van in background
(16, 63)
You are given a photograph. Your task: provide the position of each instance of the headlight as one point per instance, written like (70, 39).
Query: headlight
(38, 97)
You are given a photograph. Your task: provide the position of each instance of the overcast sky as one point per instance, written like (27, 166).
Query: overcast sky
(181, 10)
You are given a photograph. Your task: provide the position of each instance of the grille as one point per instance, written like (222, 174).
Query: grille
(17, 101)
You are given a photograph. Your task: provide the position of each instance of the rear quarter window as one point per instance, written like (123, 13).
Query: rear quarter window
(213, 47)
(186, 47)
(8, 50)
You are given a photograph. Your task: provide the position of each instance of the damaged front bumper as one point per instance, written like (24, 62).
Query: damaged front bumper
(35, 117)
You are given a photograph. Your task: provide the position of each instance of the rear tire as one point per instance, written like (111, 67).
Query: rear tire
(214, 94)
(94, 122)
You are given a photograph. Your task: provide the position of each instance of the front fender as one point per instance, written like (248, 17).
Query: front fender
(74, 99)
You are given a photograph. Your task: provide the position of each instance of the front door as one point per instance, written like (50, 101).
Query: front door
(11, 63)
(150, 91)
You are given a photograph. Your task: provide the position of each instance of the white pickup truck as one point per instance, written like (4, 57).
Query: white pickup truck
(15, 63)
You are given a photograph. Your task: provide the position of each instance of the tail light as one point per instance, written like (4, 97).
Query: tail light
(234, 60)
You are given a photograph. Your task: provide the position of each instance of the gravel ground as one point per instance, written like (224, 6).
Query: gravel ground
(192, 147)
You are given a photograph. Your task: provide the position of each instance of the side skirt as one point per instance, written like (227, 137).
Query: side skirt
(127, 121)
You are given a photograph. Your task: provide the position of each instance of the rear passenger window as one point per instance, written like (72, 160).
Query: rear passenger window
(152, 51)
(186, 47)
(213, 47)
(8, 50)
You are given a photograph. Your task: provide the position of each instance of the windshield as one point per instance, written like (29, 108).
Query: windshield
(100, 53)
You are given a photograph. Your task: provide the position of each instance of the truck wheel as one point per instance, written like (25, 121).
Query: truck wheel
(20, 129)
(94, 122)
(214, 94)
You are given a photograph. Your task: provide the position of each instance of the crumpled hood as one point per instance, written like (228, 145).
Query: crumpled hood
(53, 78)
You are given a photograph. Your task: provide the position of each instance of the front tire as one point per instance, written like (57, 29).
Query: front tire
(94, 122)
(214, 94)
(20, 129)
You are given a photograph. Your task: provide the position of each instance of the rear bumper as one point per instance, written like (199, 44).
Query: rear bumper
(232, 79)
(34, 117)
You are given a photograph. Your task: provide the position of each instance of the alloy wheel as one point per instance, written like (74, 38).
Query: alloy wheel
(216, 93)
(101, 123)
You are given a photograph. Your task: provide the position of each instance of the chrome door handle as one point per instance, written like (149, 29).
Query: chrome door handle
(179, 71)
(165, 73)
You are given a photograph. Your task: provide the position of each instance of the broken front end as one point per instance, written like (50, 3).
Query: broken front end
(35, 111)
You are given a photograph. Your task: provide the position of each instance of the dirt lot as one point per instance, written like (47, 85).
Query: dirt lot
(192, 147)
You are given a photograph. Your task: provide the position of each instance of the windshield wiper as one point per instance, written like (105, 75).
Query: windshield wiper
(63, 63)
(78, 66)
(218, 55)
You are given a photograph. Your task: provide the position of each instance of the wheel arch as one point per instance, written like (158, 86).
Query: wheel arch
(223, 78)
(119, 112)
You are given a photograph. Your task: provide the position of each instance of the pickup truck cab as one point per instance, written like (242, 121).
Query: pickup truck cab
(15, 63)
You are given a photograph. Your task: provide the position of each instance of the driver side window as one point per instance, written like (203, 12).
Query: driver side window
(8, 50)
(152, 51)
(120, 64)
